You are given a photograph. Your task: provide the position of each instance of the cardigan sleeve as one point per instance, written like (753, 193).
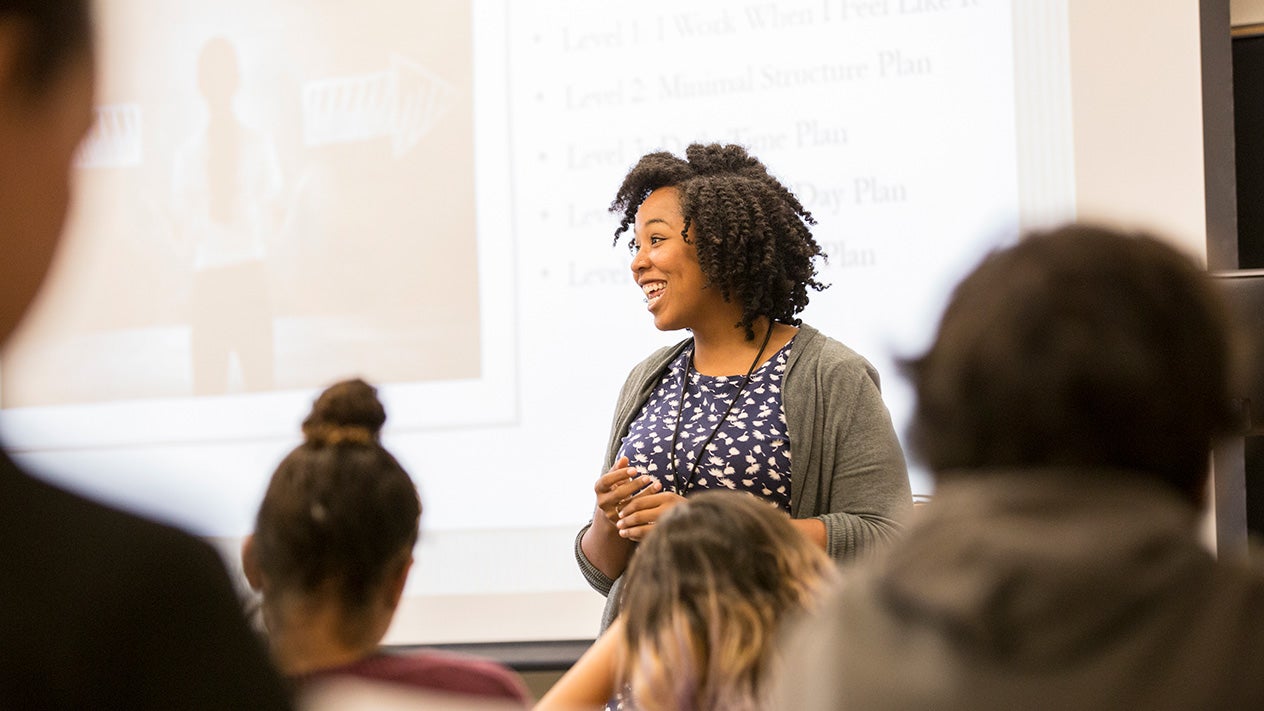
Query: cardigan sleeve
(848, 468)
(597, 580)
(869, 495)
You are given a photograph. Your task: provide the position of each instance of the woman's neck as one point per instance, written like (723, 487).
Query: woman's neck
(306, 637)
(726, 351)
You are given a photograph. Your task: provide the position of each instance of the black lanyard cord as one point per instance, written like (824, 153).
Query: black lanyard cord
(680, 414)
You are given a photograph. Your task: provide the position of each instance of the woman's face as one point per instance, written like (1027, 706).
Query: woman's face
(39, 132)
(666, 267)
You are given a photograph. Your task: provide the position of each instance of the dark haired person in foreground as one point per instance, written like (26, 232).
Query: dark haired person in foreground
(331, 551)
(1067, 407)
(753, 400)
(98, 609)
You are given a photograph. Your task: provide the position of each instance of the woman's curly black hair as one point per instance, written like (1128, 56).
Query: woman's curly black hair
(751, 233)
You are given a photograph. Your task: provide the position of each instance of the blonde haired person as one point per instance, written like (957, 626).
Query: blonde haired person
(704, 599)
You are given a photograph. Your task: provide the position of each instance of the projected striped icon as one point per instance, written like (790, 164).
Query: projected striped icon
(402, 103)
(116, 139)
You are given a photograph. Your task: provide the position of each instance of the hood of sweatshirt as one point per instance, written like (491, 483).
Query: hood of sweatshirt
(1034, 567)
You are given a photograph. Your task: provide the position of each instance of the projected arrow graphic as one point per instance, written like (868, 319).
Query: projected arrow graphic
(402, 103)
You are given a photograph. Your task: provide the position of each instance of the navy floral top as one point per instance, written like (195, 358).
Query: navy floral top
(750, 450)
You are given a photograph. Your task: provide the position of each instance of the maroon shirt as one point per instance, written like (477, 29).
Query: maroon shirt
(437, 671)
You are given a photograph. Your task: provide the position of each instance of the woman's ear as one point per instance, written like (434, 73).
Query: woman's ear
(396, 590)
(250, 563)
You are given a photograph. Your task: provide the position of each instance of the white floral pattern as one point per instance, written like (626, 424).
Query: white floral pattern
(750, 451)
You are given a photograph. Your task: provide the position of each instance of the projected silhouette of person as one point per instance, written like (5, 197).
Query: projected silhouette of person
(226, 183)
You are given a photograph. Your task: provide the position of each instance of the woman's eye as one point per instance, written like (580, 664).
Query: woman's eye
(633, 247)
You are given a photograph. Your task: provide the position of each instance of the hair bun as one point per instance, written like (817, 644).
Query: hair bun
(348, 411)
(713, 158)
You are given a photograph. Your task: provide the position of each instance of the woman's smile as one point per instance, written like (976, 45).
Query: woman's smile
(653, 292)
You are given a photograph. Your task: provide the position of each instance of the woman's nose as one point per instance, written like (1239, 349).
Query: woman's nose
(640, 260)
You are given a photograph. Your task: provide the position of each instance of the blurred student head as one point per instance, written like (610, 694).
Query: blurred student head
(1080, 347)
(705, 596)
(46, 91)
(335, 533)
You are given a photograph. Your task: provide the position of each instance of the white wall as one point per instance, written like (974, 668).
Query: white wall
(1137, 111)
(1246, 12)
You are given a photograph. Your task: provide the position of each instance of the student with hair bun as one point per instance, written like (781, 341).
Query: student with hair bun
(331, 551)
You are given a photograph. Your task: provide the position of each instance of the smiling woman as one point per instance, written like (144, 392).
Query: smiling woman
(754, 400)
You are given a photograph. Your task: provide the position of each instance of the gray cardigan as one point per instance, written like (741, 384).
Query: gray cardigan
(847, 468)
